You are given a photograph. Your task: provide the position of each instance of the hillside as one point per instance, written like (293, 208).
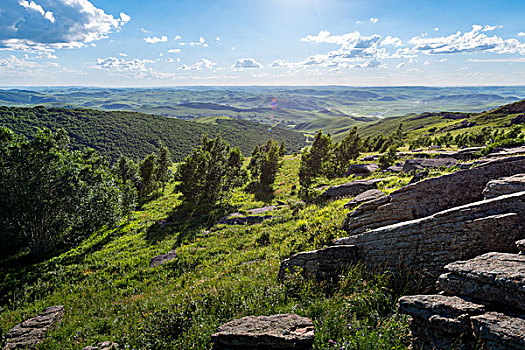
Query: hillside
(136, 134)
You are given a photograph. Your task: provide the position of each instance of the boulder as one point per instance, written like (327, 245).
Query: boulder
(364, 197)
(520, 119)
(494, 278)
(351, 189)
(31, 332)
(319, 264)
(505, 185)
(430, 196)
(498, 331)
(285, 331)
(162, 259)
(412, 165)
(440, 322)
(361, 169)
(426, 245)
(106, 345)
(394, 169)
(419, 176)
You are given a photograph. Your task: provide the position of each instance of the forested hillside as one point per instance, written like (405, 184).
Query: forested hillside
(136, 135)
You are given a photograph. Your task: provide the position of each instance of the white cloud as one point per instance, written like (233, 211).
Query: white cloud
(443, 60)
(169, 60)
(174, 50)
(391, 40)
(155, 40)
(201, 42)
(202, 64)
(401, 65)
(14, 62)
(373, 19)
(521, 34)
(474, 41)
(122, 54)
(249, 63)
(218, 38)
(278, 64)
(488, 28)
(124, 18)
(436, 29)
(519, 60)
(426, 63)
(35, 7)
(177, 37)
(135, 68)
(54, 24)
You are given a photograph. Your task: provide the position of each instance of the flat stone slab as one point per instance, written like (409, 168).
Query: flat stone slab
(364, 197)
(500, 332)
(319, 264)
(162, 259)
(493, 278)
(505, 185)
(351, 189)
(426, 163)
(32, 331)
(362, 169)
(285, 331)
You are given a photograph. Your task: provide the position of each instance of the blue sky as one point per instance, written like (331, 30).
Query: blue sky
(271, 42)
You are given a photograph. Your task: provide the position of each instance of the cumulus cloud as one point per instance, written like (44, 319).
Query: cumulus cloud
(54, 24)
(14, 62)
(391, 40)
(155, 40)
(201, 42)
(136, 68)
(521, 34)
(174, 50)
(373, 20)
(177, 37)
(474, 41)
(246, 63)
(202, 64)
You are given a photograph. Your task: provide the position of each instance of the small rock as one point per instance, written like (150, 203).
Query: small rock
(362, 169)
(162, 259)
(285, 331)
(351, 188)
(419, 176)
(106, 345)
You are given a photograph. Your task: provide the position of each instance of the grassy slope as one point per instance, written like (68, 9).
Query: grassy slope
(110, 292)
(137, 135)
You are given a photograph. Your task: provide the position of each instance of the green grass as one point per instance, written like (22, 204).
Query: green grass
(221, 273)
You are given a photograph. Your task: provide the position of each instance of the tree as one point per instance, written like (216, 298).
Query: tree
(388, 158)
(52, 197)
(209, 173)
(263, 167)
(162, 168)
(315, 161)
(346, 151)
(148, 182)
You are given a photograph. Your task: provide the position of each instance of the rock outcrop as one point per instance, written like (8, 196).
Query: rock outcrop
(106, 345)
(505, 185)
(497, 279)
(319, 264)
(364, 197)
(483, 306)
(426, 245)
(163, 258)
(286, 331)
(351, 189)
(421, 164)
(430, 196)
(31, 332)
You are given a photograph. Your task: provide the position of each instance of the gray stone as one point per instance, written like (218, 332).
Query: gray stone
(364, 197)
(351, 188)
(505, 185)
(428, 163)
(498, 331)
(243, 220)
(430, 196)
(426, 245)
(494, 278)
(162, 259)
(362, 169)
(319, 264)
(106, 345)
(394, 169)
(31, 332)
(440, 322)
(285, 331)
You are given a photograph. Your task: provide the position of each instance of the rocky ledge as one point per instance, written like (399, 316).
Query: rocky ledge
(505, 185)
(351, 189)
(286, 331)
(31, 332)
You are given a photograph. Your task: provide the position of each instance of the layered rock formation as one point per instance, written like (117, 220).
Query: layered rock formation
(483, 306)
(430, 196)
(286, 331)
(364, 197)
(32, 331)
(505, 185)
(420, 164)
